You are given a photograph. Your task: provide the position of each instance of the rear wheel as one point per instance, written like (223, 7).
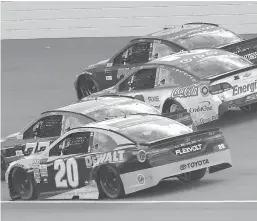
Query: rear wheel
(172, 107)
(251, 108)
(110, 182)
(87, 86)
(192, 176)
(22, 184)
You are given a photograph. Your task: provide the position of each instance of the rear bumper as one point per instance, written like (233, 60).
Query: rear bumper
(240, 102)
(143, 179)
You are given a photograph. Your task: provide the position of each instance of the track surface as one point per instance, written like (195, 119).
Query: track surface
(38, 75)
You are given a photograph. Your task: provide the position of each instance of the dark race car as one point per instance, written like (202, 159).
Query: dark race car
(205, 82)
(117, 157)
(46, 128)
(168, 41)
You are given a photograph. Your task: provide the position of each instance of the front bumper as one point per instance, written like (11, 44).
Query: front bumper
(142, 179)
(234, 104)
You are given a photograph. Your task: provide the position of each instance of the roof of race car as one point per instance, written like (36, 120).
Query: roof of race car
(188, 57)
(125, 122)
(184, 31)
(95, 104)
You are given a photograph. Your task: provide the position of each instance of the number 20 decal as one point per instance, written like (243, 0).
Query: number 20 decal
(71, 171)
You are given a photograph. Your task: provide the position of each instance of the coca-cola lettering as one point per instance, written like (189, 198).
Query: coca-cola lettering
(184, 92)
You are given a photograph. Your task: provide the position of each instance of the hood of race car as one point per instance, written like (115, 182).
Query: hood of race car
(100, 64)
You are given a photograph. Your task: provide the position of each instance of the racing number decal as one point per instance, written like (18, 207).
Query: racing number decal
(71, 171)
(31, 148)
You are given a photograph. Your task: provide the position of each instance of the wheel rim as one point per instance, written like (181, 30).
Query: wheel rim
(88, 87)
(174, 108)
(109, 181)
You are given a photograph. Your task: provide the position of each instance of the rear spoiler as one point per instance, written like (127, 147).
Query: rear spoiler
(246, 48)
(230, 73)
(212, 131)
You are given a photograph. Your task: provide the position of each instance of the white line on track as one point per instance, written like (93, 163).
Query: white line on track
(134, 202)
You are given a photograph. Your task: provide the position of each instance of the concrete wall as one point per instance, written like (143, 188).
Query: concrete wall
(21, 20)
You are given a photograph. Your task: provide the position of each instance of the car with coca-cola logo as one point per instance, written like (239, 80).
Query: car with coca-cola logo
(205, 82)
(190, 36)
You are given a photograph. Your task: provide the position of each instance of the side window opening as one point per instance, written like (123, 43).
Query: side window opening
(49, 126)
(74, 143)
(103, 143)
(137, 53)
(161, 50)
(142, 80)
(171, 77)
(75, 121)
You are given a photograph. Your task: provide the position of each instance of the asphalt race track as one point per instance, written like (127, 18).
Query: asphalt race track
(38, 75)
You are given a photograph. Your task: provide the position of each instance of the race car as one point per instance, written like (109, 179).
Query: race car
(205, 82)
(117, 157)
(162, 43)
(46, 128)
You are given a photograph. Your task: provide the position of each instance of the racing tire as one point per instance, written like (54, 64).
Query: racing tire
(192, 176)
(87, 86)
(110, 183)
(172, 107)
(251, 108)
(3, 168)
(22, 184)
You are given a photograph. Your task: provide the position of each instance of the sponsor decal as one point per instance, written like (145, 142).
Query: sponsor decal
(108, 78)
(154, 99)
(239, 49)
(184, 92)
(247, 74)
(194, 164)
(184, 61)
(157, 41)
(204, 90)
(141, 179)
(202, 107)
(186, 150)
(251, 87)
(207, 120)
(19, 153)
(18, 165)
(251, 97)
(251, 56)
(110, 157)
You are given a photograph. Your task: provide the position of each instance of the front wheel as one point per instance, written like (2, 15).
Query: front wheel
(251, 108)
(87, 86)
(3, 168)
(110, 182)
(192, 176)
(22, 184)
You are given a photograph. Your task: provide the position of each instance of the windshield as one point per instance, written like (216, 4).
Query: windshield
(155, 130)
(215, 65)
(122, 110)
(214, 39)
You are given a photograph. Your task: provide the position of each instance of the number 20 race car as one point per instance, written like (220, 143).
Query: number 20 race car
(42, 131)
(116, 157)
(162, 43)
